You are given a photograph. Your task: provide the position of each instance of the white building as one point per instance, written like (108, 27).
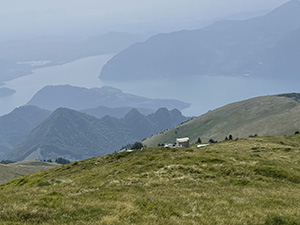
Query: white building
(183, 142)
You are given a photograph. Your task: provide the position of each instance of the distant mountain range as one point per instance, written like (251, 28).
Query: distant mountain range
(78, 98)
(74, 135)
(276, 115)
(15, 126)
(263, 46)
(282, 59)
(118, 112)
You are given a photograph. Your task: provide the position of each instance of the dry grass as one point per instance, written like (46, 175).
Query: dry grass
(255, 181)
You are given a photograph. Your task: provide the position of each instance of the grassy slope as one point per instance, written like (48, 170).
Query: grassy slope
(255, 181)
(15, 170)
(267, 115)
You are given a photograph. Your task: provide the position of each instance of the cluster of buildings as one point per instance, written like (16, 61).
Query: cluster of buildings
(180, 142)
(183, 143)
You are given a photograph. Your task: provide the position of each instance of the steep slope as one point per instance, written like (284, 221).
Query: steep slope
(53, 97)
(165, 119)
(268, 115)
(139, 125)
(142, 126)
(75, 136)
(223, 48)
(253, 181)
(15, 126)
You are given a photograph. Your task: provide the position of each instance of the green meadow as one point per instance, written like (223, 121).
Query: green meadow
(245, 181)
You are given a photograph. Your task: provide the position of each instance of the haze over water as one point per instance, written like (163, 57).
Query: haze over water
(83, 73)
(204, 93)
(209, 92)
(57, 19)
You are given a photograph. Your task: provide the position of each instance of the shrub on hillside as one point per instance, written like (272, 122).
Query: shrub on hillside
(62, 161)
(7, 162)
(137, 145)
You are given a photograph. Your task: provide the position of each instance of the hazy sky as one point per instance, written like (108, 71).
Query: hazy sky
(48, 16)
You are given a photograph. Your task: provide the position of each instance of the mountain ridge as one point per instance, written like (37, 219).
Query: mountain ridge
(78, 98)
(231, 48)
(15, 126)
(70, 135)
(274, 115)
(118, 112)
(75, 135)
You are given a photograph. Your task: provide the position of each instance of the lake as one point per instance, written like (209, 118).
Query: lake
(83, 72)
(204, 93)
(209, 92)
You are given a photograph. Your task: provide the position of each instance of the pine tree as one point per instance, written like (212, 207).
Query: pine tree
(199, 141)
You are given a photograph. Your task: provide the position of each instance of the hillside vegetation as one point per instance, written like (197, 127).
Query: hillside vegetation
(276, 115)
(253, 181)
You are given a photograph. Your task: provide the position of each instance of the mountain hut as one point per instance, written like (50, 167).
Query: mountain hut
(183, 142)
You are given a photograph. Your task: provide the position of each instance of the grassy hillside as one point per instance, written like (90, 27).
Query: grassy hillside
(254, 181)
(276, 115)
(15, 170)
